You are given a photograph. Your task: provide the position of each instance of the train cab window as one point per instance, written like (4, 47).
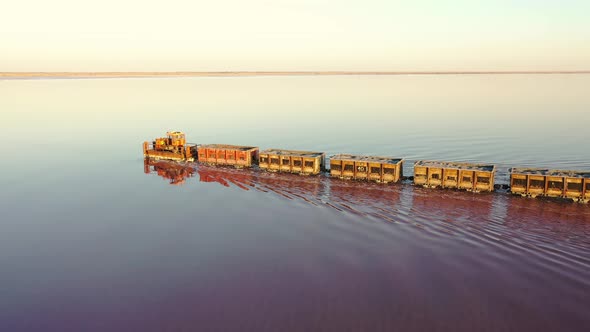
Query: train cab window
(308, 163)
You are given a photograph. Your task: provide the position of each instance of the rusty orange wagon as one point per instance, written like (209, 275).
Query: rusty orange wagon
(225, 154)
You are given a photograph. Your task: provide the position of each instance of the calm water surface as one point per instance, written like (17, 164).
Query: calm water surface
(90, 242)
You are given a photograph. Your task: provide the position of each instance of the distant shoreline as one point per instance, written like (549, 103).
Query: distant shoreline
(155, 74)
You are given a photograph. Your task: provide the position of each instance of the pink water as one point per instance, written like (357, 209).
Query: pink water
(89, 242)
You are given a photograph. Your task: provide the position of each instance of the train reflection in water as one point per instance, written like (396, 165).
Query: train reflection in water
(309, 189)
(450, 211)
(242, 180)
(538, 212)
(412, 204)
(175, 173)
(372, 200)
(366, 199)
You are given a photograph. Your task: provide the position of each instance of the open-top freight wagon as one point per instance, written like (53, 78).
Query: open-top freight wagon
(445, 174)
(535, 182)
(224, 154)
(292, 161)
(378, 169)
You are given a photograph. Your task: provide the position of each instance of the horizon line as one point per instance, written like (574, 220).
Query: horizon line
(134, 74)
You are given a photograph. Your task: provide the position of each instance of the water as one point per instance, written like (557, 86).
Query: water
(89, 242)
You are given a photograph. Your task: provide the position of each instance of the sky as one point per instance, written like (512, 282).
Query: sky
(388, 35)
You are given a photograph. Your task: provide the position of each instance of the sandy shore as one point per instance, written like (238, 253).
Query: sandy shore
(33, 75)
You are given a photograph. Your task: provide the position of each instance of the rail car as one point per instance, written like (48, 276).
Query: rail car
(224, 154)
(529, 182)
(378, 169)
(445, 174)
(292, 161)
(533, 182)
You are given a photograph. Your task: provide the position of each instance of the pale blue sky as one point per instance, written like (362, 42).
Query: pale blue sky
(294, 35)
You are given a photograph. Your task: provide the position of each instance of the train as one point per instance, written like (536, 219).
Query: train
(473, 177)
